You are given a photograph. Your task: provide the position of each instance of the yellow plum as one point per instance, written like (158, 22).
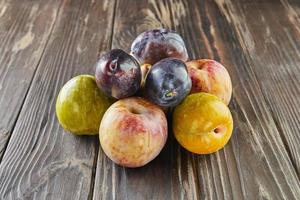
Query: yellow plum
(202, 123)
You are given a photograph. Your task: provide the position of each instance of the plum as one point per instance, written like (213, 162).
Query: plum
(133, 131)
(154, 45)
(202, 123)
(167, 82)
(210, 76)
(118, 74)
(80, 105)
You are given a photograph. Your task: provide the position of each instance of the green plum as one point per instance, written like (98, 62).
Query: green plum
(80, 106)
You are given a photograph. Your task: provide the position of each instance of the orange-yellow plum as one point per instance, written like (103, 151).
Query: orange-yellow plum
(202, 123)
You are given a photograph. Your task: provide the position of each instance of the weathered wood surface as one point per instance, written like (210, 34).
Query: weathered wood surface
(258, 162)
(270, 44)
(41, 160)
(24, 31)
(259, 43)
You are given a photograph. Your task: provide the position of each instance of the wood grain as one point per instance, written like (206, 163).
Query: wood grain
(264, 168)
(155, 180)
(258, 163)
(45, 43)
(271, 46)
(24, 29)
(41, 160)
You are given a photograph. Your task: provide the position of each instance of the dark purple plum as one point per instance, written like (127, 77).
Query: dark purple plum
(118, 74)
(154, 45)
(168, 82)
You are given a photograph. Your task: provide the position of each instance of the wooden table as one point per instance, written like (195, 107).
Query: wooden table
(45, 43)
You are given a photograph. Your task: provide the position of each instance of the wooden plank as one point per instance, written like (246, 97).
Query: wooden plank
(255, 164)
(271, 43)
(154, 180)
(24, 29)
(42, 161)
(263, 168)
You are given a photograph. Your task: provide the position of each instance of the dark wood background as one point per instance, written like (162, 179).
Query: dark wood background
(44, 43)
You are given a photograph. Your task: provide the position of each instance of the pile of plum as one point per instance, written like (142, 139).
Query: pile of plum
(127, 100)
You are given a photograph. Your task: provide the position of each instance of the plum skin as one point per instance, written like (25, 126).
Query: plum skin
(202, 123)
(154, 45)
(118, 74)
(210, 76)
(133, 131)
(80, 105)
(167, 82)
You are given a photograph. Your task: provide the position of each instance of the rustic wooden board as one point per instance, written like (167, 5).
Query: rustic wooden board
(269, 35)
(258, 161)
(41, 160)
(25, 27)
(155, 179)
(260, 157)
(258, 42)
